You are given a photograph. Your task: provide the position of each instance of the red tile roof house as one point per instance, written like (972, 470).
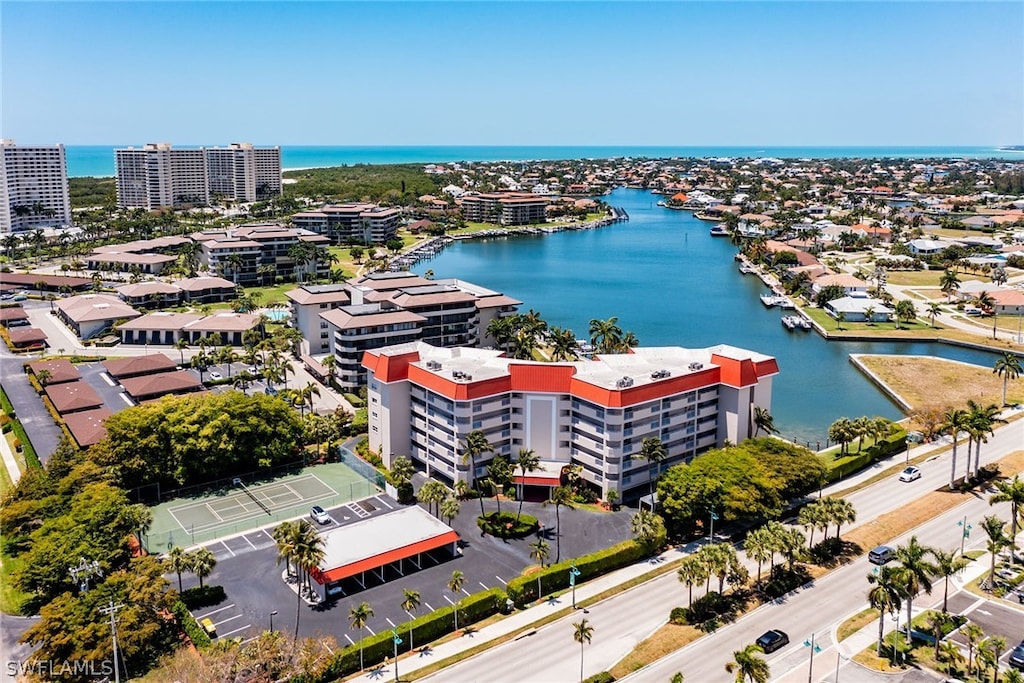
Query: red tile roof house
(139, 365)
(61, 370)
(158, 384)
(72, 397)
(87, 426)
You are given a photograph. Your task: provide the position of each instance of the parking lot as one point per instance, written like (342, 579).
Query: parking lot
(252, 577)
(995, 616)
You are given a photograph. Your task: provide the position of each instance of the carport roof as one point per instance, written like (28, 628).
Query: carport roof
(379, 541)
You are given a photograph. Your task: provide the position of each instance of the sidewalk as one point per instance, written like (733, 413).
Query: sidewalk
(9, 461)
(523, 619)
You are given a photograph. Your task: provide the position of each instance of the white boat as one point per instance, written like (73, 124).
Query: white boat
(796, 322)
(719, 231)
(784, 302)
(746, 268)
(769, 300)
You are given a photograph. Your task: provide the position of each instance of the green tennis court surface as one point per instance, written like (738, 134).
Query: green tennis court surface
(187, 521)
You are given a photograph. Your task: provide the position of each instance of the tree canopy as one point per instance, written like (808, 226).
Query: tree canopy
(196, 438)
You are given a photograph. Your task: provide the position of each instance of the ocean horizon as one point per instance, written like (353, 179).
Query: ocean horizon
(98, 160)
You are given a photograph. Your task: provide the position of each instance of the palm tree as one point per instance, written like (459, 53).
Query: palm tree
(563, 344)
(839, 511)
(475, 445)
(993, 527)
(914, 573)
(583, 632)
(841, 431)
(285, 535)
(308, 554)
(357, 618)
(179, 561)
(934, 308)
(693, 570)
(455, 585)
(410, 603)
(450, 508)
(980, 421)
(181, 345)
(1008, 367)
(43, 377)
(989, 651)
(905, 311)
(653, 451)
(202, 562)
(985, 302)
(955, 421)
(947, 563)
(951, 653)
(561, 496)
(758, 546)
(432, 493)
(605, 335)
(949, 283)
(763, 421)
(973, 633)
(539, 550)
(884, 596)
(499, 473)
(747, 665)
(648, 527)
(1012, 492)
(840, 319)
(812, 517)
(527, 461)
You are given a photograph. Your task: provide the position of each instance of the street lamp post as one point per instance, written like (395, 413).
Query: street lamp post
(714, 516)
(966, 532)
(814, 648)
(272, 614)
(573, 573)
(397, 641)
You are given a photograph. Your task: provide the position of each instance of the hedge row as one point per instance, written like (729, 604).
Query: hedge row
(522, 590)
(196, 633)
(849, 464)
(31, 458)
(425, 629)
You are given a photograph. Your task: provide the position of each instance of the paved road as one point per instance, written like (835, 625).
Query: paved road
(624, 620)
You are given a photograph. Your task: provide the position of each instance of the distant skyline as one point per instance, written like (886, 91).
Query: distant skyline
(513, 73)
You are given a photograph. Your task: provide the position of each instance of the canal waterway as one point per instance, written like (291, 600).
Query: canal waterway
(672, 284)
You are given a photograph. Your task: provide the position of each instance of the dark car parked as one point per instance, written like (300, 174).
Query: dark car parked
(770, 641)
(1017, 656)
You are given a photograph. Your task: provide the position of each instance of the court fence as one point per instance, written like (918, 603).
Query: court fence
(154, 494)
(164, 541)
(368, 471)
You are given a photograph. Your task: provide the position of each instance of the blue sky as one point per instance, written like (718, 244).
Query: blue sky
(514, 73)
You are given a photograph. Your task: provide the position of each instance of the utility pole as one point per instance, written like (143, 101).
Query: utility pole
(112, 609)
(85, 571)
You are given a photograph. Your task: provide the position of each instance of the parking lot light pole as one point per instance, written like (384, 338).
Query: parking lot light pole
(573, 573)
(272, 620)
(397, 641)
(714, 516)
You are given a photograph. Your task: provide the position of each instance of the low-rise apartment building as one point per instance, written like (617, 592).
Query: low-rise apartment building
(359, 223)
(506, 208)
(238, 253)
(425, 400)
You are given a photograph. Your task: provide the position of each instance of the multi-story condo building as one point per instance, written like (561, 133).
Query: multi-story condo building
(388, 308)
(33, 187)
(351, 223)
(425, 400)
(506, 208)
(157, 175)
(239, 253)
(307, 303)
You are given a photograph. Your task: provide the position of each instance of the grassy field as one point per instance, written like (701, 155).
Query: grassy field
(921, 380)
(11, 599)
(910, 329)
(927, 278)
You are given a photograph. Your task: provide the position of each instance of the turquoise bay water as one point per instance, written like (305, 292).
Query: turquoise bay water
(98, 160)
(673, 284)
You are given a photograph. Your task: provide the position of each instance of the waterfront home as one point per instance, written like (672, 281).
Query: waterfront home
(855, 309)
(926, 247)
(849, 283)
(91, 314)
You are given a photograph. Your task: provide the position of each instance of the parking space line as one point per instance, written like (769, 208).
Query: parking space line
(383, 502)
(228, 548)
(467, 592)
(372, 632)
(124, 397)
(449, 600)
(503, 581)
(224, 621)
(350, 641)
(241, 628)
(486, 587)
(428, 605)
(219, 609)
(106, 378)
(249, 542)
(390, 622)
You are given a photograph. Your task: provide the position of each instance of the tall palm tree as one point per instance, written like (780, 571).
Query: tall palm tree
(763, 421)
(693, 570)
(985, 302)
(1008, 367)
(947, 563)
(308, 554)
(955, 421)
(839, 511)
(605, 335)
(539, 550)
(450, 508)
(563, 344)
(499, 473)
(914, 573)
(884, 596)
(974, 635)
(989, 651)
(994, 529)
(357, 618)
(934, 308)
(949, 283)
(181, 345)
(455, 585)
(653, 451)
(475, 445)
(179, 561)
(285, 536)
(980, 421)
(748, 666)
(1011, 491)
(583, 632)
(757, 546)
(812, 517)
(648, 528)
(527, 461)
(202, 562)
(410, 603)
(561, 496)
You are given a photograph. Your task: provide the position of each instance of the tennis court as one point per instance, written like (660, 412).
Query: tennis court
(251, 501)
(243, 507)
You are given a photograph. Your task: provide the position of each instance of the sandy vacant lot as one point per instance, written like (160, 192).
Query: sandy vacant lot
(938, 382)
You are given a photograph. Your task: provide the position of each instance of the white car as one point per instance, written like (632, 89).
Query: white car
(216, 375)
(910, 473)
(319, 515)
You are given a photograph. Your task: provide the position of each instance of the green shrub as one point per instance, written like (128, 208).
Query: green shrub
(505, 525)
(205, 596)
(602, 677)
(354, 400)
(677, 616)
(196, 633)
(523, 589)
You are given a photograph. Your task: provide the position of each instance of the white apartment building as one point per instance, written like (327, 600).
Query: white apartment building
(157, 175)
(33, 187)
(360, 222)
(239, 253)
(425, 400)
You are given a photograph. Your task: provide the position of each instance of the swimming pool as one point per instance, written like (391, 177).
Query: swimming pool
(277, 315)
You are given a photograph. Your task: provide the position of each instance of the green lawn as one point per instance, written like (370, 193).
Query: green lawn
(829, 323)
(921, 278)
(11, 599)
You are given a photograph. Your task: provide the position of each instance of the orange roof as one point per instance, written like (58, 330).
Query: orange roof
(680, 197)
(382, 559)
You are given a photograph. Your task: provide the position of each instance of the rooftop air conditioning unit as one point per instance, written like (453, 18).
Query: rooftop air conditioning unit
(696, 366)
